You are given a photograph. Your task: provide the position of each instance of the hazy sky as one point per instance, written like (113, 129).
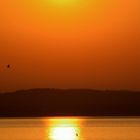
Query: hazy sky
(70, 44)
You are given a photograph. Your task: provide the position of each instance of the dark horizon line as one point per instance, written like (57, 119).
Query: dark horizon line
(69, 89)
(72, 102)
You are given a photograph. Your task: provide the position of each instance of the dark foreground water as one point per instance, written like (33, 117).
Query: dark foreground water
(70, 128)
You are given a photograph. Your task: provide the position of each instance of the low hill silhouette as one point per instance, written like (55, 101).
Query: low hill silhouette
(69, 102)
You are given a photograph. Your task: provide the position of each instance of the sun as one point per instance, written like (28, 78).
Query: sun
(63, 133)
(64, 129)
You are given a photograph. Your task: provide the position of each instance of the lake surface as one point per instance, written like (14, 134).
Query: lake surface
(70, 128)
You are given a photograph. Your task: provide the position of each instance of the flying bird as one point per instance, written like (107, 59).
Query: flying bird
(8, 66)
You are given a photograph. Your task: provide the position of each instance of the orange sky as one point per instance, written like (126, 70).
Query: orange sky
(70, 44)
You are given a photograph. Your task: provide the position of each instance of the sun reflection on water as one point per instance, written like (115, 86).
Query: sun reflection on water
(64, 129)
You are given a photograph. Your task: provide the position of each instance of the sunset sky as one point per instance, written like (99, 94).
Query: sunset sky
(70, 44)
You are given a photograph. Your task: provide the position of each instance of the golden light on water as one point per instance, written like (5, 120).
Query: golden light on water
(64, 129)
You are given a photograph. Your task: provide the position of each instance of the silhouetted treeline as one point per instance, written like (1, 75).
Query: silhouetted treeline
(51, 102)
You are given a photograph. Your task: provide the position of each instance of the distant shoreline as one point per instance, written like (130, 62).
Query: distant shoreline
(75, 117)
(70, 89)
(69, 102)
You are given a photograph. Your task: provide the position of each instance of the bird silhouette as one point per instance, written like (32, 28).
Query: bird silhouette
(8, 66)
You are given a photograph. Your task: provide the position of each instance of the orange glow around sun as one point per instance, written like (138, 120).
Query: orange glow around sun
(62, 2)
(92, 44)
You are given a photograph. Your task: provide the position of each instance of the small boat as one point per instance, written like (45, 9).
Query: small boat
(77, 135)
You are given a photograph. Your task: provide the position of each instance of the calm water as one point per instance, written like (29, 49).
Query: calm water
(70, 128)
